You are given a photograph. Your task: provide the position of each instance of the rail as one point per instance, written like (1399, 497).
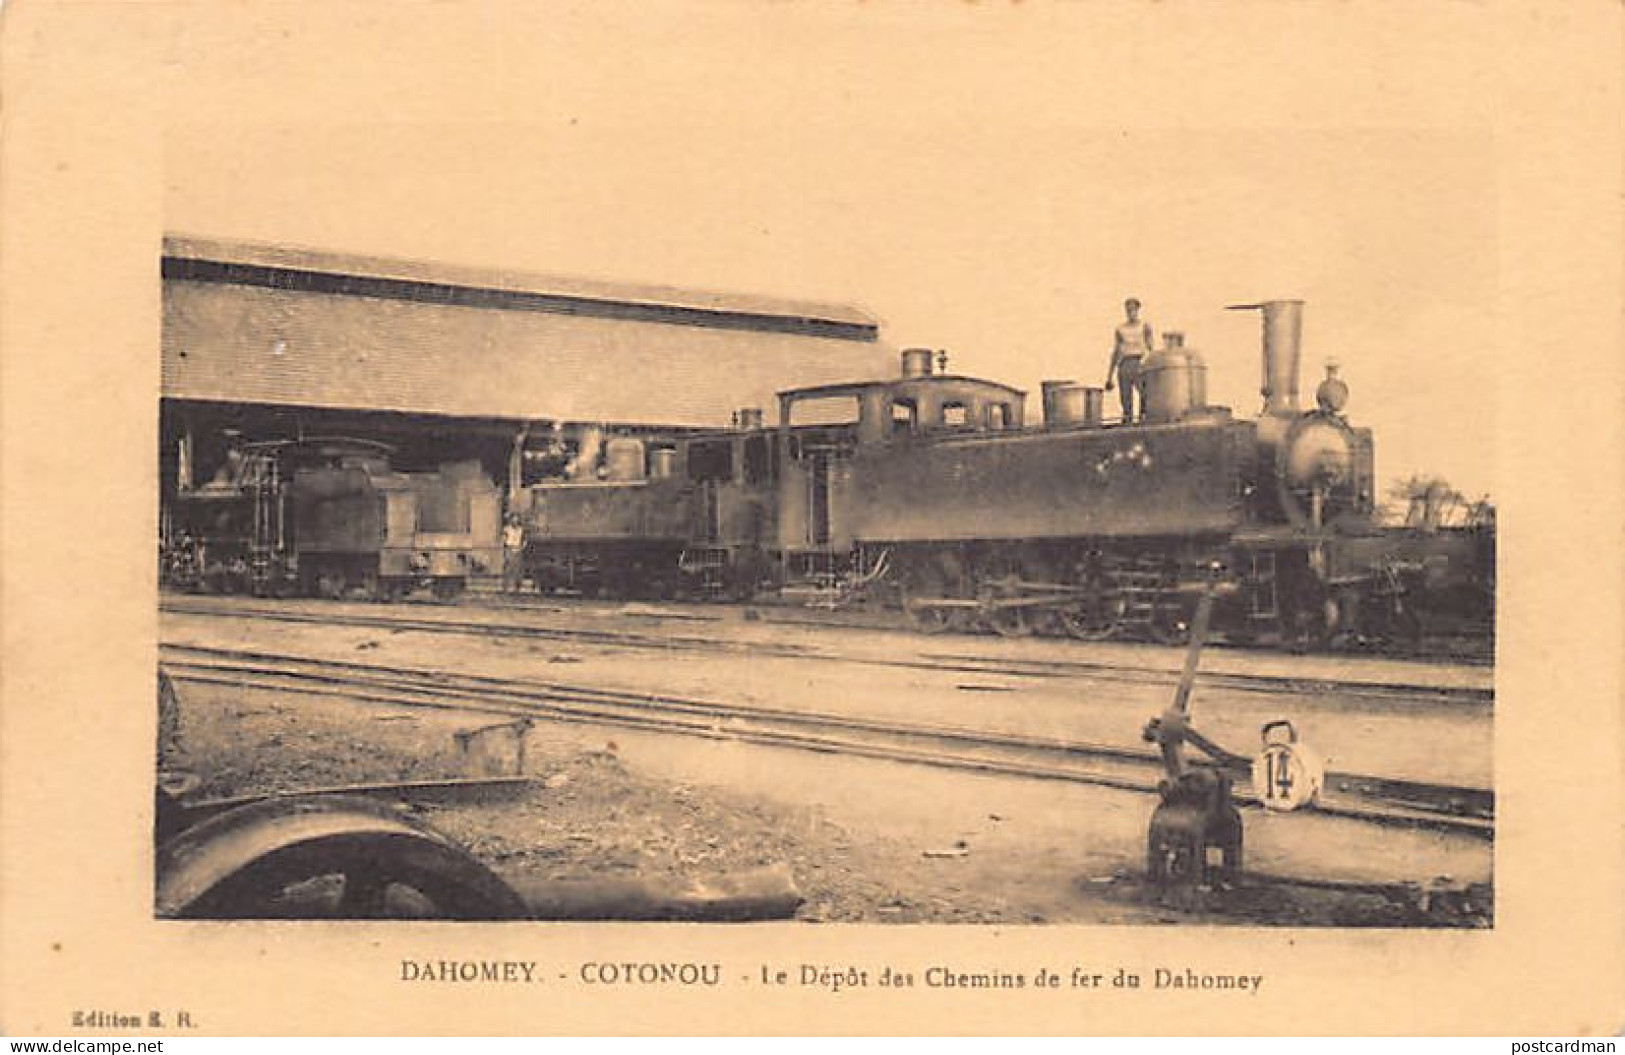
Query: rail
(1379, 800)
(1379, 692)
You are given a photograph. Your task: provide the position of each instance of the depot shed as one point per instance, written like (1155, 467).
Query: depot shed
(449, 362)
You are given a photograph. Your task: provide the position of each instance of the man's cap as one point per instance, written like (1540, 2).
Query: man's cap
(1132, 302)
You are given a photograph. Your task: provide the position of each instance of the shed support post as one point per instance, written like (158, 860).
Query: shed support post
(516, 467)
(183, 457)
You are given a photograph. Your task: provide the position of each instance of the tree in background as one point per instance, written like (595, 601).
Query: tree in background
(1429, 502)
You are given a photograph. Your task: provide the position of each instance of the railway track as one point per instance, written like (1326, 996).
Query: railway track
(1460, 647)
(1460, 810)
(1367, 691)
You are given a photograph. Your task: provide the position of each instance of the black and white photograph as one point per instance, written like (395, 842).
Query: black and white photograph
(965, 478)
(636, 602)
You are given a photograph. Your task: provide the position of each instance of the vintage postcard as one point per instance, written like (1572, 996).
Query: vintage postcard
(524, 518)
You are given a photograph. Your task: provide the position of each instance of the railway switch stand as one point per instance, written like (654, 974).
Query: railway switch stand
(1195, 836)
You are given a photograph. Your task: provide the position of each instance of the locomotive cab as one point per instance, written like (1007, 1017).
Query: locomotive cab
(734, 476)
(824, 430)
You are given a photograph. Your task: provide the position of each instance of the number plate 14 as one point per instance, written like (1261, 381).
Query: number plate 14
(1287, 775)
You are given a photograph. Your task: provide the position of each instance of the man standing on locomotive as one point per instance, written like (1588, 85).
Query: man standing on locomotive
(1129, 349)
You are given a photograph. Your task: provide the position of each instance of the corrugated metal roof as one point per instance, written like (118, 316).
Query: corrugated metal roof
(257, 344)
(288, 267)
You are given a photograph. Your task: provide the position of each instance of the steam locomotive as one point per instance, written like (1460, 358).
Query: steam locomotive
(330, 518)
(931, 492)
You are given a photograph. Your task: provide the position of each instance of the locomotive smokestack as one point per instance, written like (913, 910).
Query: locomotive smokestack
(1283, 335)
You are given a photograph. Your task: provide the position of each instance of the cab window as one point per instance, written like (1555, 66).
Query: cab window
(758, 460)
(711, 460)
(905, 417)
(824, 410)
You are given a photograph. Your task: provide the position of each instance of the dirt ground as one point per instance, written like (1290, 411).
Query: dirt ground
(591, 814)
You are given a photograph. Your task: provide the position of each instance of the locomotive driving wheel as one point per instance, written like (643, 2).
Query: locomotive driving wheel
(1171, 611)
(1010, 622)
(1099, 614)
(1005, 620)
(923, 589)
(926, 617)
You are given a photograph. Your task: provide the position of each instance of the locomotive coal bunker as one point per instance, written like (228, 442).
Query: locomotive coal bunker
(931, 491)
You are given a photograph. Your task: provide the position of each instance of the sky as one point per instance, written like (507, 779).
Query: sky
(994, 194)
